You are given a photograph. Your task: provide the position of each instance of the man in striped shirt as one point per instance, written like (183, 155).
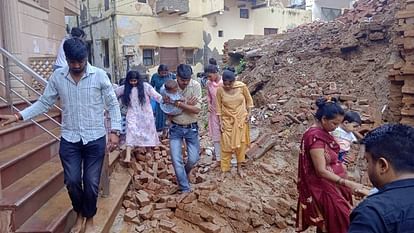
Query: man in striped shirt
(83, 90)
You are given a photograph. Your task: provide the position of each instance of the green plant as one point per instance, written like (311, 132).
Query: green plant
(241, 66)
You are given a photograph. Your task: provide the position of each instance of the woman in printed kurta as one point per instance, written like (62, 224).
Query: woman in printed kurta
(325, 195)
(234, 104)
(157, 80)
(213, 83)
(136, 95)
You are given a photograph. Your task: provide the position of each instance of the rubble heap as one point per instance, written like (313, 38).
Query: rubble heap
(152, 206)
(401, 73)
(348, 58)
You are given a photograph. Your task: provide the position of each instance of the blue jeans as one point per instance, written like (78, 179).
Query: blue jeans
(190, 135)
(83, 191)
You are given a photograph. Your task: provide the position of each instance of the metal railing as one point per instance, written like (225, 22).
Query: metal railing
(9, 90)
(10, 57)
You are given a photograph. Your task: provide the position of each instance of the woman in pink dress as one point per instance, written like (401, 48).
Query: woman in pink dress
(136, 94)
(213, 83)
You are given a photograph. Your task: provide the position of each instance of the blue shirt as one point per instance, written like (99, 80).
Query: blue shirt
(388, 211)
(82, 104)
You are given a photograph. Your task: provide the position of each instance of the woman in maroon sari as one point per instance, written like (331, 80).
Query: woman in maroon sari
(325, 195)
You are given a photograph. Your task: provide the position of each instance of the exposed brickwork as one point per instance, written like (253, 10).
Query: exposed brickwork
(401, 74)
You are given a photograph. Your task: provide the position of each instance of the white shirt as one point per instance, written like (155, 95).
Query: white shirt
(344, 139)
(61, 58)
(82, 104)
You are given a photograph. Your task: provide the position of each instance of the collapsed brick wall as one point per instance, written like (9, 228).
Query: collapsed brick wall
(401, 75)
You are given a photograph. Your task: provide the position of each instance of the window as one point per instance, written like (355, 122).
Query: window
(189, 56)
(220, 33)
(244, 13)
(106, 3)
(148, 57)
(142, 1)
(90, 53)
(269, 31)
(105, 44)
(329, 14)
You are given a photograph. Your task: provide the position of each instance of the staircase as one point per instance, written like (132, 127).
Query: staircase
(33, 198)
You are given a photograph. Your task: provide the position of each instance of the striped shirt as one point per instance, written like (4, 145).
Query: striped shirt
(82, 104)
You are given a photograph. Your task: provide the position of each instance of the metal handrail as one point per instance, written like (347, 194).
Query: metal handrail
(23, 66)
(28, 86)
(41, 126)
(27, 101)
(9, 57)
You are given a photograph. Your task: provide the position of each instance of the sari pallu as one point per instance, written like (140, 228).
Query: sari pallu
(321, 203)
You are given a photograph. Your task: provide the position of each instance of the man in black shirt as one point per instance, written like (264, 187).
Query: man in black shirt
(390, 157)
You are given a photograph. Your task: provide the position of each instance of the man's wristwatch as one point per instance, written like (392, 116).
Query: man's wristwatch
(116, 132)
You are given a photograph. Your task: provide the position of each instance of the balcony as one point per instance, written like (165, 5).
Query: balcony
(172, 7)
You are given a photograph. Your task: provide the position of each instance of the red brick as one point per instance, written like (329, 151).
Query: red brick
(153, 186)
(222, 201)
(128, 216)
(146, 212)
(268, 219)
(129, 204)
(142, 198)
(181, 214)
(177, 229)
(172, 204)
(166, 225)
(189, 198)
(209, 227)
(206, 215)
(281, 205)
(268, 209)
(280, 222)
(159, 206)
(195, 218)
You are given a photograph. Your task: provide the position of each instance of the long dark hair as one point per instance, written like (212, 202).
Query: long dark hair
(126, 99)
(328, 108)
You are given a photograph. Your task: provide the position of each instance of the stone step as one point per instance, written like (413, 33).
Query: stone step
(16, 133)
(25, 196)
(56, 216)
(21, 159)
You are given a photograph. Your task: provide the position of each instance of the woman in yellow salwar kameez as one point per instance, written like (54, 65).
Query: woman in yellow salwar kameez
(234, 104)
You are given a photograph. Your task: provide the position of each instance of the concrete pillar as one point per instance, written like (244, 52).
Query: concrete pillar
(12, 40)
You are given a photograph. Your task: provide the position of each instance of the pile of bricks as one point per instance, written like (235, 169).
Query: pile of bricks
(151, 203)
(245, 214)
(345, 58)
(364, 10)
(402, 70)
(151, 206)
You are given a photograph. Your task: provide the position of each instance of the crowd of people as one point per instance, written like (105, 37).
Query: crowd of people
(169, 105)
